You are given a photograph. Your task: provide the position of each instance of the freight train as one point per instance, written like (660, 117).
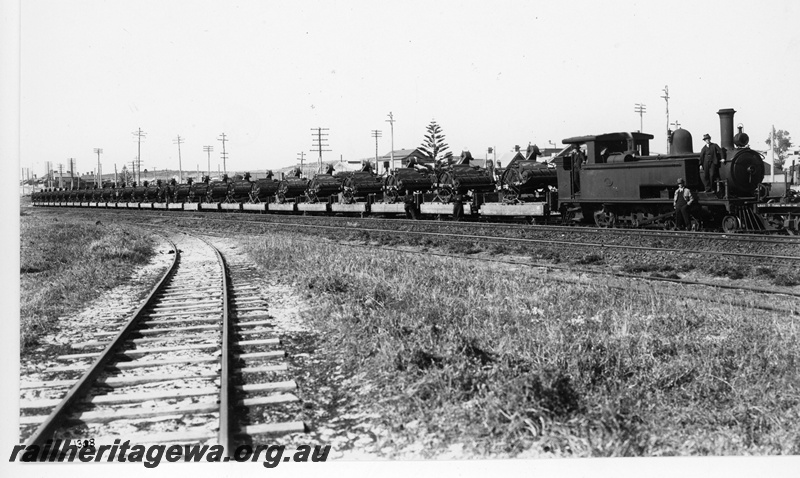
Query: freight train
(610, 180)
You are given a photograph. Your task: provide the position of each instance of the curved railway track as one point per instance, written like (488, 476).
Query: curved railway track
(177, 370)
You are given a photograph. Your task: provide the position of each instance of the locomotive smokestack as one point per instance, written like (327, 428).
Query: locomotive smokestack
(726, 128)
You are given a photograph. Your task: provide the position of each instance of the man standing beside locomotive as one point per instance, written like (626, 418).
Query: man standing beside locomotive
(685, 203)
(710, 156)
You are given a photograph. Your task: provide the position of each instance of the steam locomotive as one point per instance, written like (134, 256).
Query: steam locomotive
(609, 180)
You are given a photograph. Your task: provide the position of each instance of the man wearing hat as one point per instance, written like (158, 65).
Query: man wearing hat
(685, 203)
(710, 156)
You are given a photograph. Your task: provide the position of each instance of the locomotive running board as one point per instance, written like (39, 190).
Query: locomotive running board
(159, 205)
(210, 205)
(175, 205)
(191, 206)
(528, 209)
(231, 206)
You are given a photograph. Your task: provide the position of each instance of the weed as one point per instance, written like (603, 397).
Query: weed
(508, 363)
(592, 258)
(786, 280)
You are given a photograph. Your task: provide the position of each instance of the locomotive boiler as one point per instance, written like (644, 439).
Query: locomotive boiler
(264, 189)
(358, 185)
(239, 189)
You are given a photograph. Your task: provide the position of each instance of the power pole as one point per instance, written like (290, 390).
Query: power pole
(224, 154)
(71, 173)
(391, 125)
(666, 98)
(61, 175)
(180, 167)
(99, 173)
(641, 109)
(318, 142)
(116, 179)
(302, 155)
(208, 149)
(376, 134)
(139, 135)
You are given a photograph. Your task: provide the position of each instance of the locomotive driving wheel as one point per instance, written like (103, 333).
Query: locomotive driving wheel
(731, 224)
(605, 218)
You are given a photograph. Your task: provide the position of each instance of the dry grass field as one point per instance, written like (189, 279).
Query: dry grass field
(494, 360)
(66, 262)
(452, 352)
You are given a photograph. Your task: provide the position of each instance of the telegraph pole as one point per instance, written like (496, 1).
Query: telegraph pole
(376, 134)
(391, 126)
(208, 149)
(318, 142)
(138, 167)
(71, 173)
(180, 167)
(666, 98)
(224, 153)
(61, 175)
(302, 155)
(641, 109)
(99, 174)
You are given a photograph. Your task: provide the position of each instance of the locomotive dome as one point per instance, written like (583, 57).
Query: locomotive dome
(681, 142)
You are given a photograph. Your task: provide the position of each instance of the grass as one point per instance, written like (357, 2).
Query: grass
(514, 364)
(68, 263)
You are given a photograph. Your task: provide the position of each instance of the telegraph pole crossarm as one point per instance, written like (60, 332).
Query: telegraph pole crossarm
(319, 142)
(224, 139)
(376, 134)
(640, 108)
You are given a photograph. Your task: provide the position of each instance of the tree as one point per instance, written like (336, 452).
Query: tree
(782, 144)
(125, 176)
(434, 148)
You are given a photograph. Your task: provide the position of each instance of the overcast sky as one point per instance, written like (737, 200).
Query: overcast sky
(490, 73)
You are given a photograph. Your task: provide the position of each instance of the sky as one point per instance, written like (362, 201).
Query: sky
(491, 74)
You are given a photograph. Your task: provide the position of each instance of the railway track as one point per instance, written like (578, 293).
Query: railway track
(739, 295)
(599, 240)
(179, 370)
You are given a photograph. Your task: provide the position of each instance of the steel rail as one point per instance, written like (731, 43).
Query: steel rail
(735, 237)
(538, 241)
(226, 400)
(47, 429)
(626, 275)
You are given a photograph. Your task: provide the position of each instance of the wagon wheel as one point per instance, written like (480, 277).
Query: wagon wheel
(695, 224)
(390, 195)
(445, 194)
(731, 224)
(669, 225)
(348, 195)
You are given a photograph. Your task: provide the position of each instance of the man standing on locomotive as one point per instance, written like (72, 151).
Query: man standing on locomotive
(710, 156)
(685, 203)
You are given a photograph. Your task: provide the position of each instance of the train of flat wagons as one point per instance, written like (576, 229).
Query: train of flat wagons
(609, 180)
